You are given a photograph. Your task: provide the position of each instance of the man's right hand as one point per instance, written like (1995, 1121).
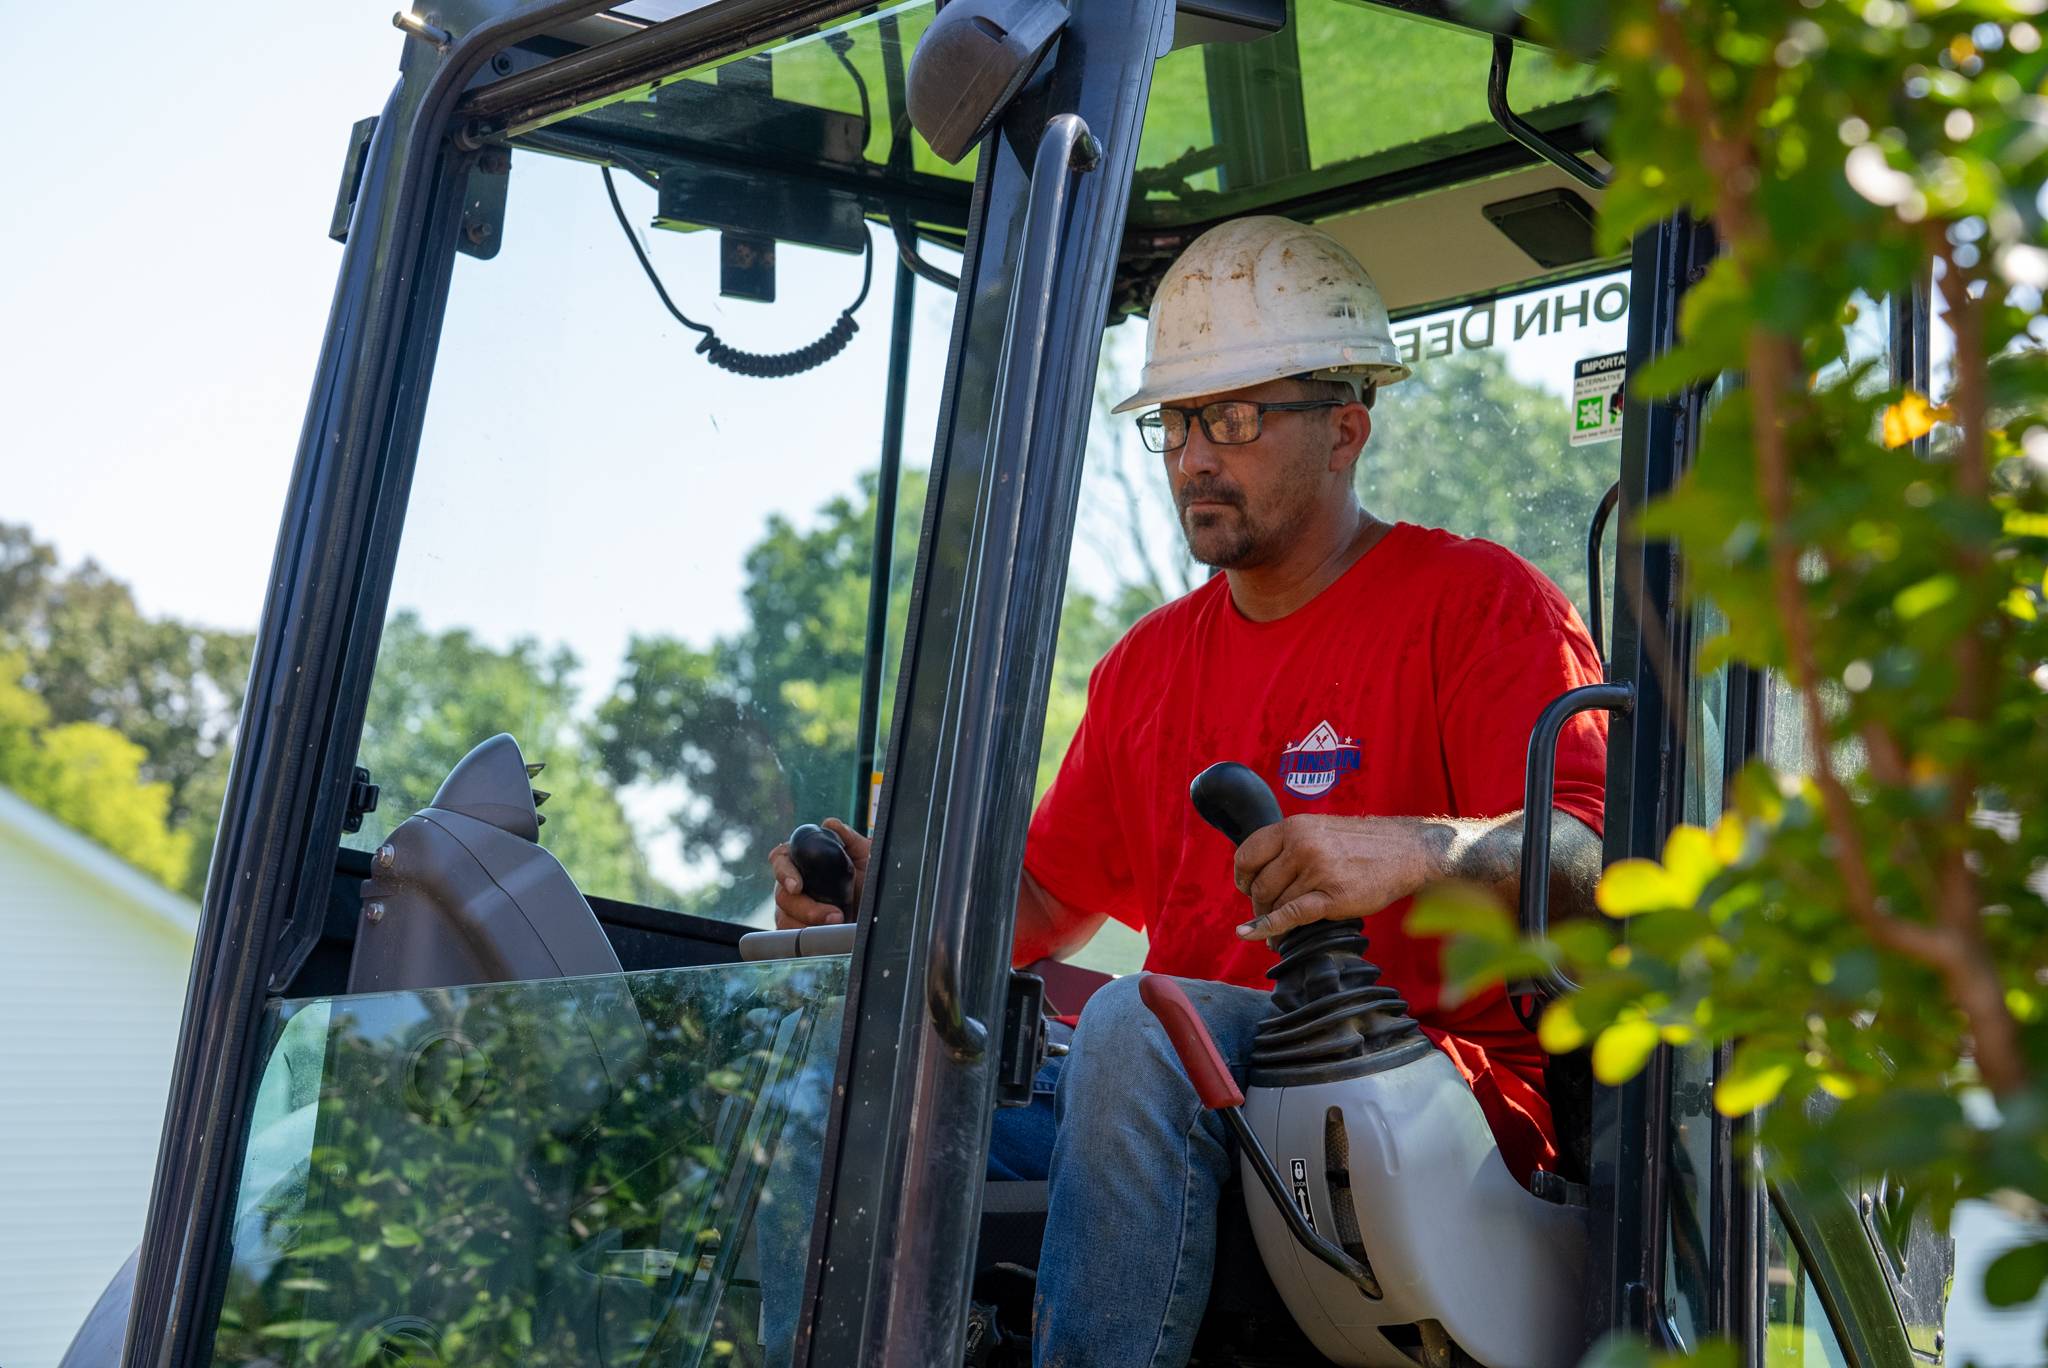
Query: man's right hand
(792, 908)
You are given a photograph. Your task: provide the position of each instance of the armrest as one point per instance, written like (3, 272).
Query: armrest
(797, 942)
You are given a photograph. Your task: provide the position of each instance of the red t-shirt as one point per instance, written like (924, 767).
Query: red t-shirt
(1407, 688)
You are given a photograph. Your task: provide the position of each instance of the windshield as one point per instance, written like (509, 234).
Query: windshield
(599, 1171)
(657, 572)
(1344, 94)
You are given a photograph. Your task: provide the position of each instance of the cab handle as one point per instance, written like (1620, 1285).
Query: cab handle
(1539, 792)
(1596, 536)
(1066, 147)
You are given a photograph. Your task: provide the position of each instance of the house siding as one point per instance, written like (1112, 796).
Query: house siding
(92, 984)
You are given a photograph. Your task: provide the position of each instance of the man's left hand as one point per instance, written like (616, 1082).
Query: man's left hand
(1316, 868)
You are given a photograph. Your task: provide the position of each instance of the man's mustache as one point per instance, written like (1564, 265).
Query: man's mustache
(1194, 492)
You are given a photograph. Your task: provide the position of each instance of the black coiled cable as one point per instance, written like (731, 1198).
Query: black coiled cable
(760, 365)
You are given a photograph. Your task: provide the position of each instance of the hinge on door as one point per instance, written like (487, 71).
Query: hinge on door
(351, 177)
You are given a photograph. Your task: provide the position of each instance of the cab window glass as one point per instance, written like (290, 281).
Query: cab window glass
(1797, 1331)
(1343, 93)
(1510, 427)
(605, 1171)
(654, 572)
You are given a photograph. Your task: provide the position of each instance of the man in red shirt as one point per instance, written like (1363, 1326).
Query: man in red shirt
(1382, 678)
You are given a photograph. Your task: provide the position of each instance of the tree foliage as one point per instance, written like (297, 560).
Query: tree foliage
(437, 694)
(171, 688)
(564, 1172)
(90, 778)
(1870, 931)
(1464, 445)
(759, 730)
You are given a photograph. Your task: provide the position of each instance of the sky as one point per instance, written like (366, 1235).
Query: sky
(160, 342)
(583, 476)
(170, 277)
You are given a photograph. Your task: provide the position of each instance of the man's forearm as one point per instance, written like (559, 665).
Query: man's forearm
(1488, 851)
(1046, 927)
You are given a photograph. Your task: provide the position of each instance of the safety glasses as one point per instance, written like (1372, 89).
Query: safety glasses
(1227, 422)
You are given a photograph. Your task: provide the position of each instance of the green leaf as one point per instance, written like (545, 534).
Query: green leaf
(1689, 860)
(1558, 1029)
(401, 1236)
(1750, 1086)
(320, 1249)
(1622, 1050)
(1459, 909)
(1918, 600)
(1617, 1350)
(296, 1330)
(1631, 887)
(2015, 1277)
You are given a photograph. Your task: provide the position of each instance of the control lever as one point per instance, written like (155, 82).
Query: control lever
(822, 863)
(1219, 1093)
(1236, 801)
(1233, 799)
(1346, 1113)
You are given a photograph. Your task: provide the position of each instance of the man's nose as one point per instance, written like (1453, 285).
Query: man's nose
(1198, 453)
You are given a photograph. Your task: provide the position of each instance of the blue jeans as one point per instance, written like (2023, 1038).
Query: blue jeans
(1136, 1166)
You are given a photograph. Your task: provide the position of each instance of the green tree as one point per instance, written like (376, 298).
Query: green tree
(760, 728)
(1871, 932)
(1463, 445)
(172, 688)
(90, 778)
(436, 695)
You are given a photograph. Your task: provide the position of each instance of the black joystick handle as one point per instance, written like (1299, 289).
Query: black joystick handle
(1332, 1014)
(1233, 799)
(824, 866)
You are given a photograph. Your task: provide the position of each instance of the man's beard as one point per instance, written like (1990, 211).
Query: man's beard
(1223, 540)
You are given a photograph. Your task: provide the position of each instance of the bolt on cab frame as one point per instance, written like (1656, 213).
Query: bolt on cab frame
(1059, 229)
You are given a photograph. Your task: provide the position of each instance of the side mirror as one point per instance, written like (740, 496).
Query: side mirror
(971, 63)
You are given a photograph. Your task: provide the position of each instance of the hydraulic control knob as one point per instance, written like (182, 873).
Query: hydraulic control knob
(824, 866)
(1233, 799)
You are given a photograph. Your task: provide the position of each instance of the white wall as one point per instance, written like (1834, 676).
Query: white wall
(91, 989)
(1978, 1332)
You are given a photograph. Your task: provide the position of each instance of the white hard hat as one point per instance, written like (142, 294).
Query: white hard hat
(1260, 299)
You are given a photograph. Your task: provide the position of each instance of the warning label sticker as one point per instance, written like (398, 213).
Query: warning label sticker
(1597, 384)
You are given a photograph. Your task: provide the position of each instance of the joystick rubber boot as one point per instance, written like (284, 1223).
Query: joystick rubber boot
(1333, 1018)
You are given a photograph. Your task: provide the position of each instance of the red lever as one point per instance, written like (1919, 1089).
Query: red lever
(1198, 1053)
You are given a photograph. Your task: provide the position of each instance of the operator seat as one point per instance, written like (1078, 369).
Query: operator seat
(462, 891)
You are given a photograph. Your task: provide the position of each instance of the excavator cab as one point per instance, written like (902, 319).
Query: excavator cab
(706, 440)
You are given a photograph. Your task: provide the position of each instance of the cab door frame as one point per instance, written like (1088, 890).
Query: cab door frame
(316, 640)
(907, 1143)
(1646, 757)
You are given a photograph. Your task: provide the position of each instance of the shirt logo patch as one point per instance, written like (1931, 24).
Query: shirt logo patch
(1312, 766)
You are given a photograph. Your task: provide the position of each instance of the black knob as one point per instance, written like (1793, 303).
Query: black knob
(824, 866)
(1233, 799)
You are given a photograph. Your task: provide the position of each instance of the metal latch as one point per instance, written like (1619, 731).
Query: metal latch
(362, 800)
(1023, 1047)
(351, 177)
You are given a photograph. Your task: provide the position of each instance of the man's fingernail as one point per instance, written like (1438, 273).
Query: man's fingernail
(792, 884)
(1247, 929)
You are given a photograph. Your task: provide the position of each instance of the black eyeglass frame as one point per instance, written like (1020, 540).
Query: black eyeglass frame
(1157, 423)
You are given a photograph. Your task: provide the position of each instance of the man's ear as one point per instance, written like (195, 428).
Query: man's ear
(1350, 430)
